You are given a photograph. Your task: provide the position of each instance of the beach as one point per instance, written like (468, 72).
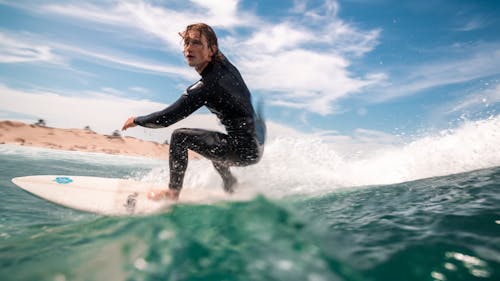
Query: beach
(86, 140)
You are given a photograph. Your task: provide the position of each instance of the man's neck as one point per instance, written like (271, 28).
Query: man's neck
(200, 68)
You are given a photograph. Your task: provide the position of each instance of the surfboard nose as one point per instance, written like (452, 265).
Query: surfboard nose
(16, 180)
(22, 180)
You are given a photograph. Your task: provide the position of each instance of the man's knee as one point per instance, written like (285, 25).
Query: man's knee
(179, 135)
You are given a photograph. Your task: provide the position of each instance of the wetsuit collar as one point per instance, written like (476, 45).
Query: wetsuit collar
(207, 69)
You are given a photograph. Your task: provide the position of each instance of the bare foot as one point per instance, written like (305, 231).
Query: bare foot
(157, 195)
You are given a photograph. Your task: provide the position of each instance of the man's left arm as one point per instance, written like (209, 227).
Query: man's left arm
(189, 102)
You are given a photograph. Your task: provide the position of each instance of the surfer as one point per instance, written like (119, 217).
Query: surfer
(222, 90)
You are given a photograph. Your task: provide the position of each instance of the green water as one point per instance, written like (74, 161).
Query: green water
(444, 228)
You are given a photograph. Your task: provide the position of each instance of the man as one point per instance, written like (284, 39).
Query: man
(222, 90)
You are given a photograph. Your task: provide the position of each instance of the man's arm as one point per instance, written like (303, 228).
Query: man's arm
(182, 108)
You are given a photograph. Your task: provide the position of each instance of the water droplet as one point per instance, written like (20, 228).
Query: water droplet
(166, 234)
(140, 264)
(450, 266)
(438, 276)
(59, 277)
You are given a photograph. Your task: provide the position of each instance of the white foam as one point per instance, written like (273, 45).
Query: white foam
(311, 165)
(474, 145)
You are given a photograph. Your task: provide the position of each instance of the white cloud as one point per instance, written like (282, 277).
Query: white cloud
(127, 61)
(86, 11)
(361, 143)
(473, 63)
(16, 49)
(478, 100)
(278, 38)
(305, 63)
(328, 10)
(141, 90)
(103, 111)
(302, 78)
(366, 135)
(132, 16)
(29, 48)
(299, 63)
(299, 6)
(221, 12)
(472, 24)
(161, 22)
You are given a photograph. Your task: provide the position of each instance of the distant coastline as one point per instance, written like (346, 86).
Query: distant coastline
(38, 135)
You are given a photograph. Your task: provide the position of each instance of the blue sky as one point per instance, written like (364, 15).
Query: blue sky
(377, 68)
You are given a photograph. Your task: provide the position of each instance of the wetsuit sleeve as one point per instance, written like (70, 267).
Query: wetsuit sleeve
(188, 103)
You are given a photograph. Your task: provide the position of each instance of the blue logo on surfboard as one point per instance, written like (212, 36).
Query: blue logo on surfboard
(63, 180)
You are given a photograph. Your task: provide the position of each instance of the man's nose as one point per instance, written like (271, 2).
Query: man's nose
(188, 48)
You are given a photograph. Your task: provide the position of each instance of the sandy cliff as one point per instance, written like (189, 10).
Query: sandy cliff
(13, 132)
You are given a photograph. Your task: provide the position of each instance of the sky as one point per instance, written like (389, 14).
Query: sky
(378, 69)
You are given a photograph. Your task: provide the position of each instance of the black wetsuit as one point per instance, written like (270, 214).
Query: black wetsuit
(222, 90)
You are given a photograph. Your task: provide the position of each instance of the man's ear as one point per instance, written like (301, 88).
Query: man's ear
(213, 49)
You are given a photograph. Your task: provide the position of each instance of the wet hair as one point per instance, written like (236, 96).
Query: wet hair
(209, 33)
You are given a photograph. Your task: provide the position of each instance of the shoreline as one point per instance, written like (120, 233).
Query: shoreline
(84, 140)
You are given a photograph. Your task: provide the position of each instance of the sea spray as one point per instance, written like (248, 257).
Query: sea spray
(310, 165)
(474, 145)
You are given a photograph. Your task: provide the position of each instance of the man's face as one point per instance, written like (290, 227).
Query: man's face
(196, 50)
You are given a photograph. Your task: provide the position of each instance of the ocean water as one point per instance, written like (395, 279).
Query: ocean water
(425, 210)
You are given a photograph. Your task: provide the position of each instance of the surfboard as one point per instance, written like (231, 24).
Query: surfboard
(109, 196)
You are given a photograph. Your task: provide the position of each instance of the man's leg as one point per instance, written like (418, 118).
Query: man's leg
(212, 145)
(228, 179)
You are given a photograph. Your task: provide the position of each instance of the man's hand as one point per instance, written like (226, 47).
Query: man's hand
(129, 123)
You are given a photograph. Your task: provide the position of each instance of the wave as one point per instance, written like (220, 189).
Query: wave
(314, 165)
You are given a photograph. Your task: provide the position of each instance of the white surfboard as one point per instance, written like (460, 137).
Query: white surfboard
(109, 196)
